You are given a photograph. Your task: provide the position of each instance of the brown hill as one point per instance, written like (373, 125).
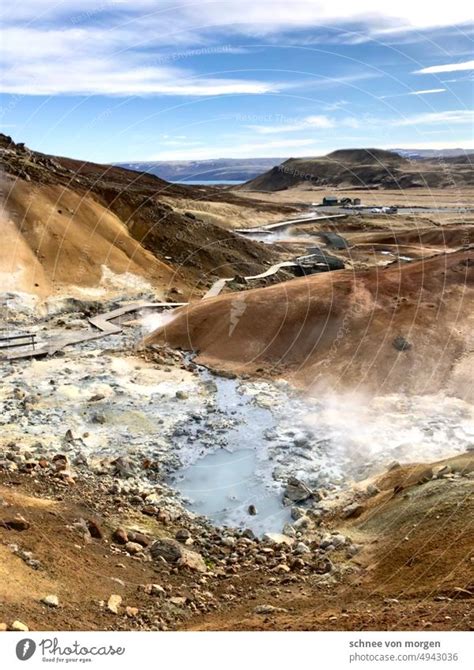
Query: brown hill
(363, 167)
(65, 220)
(404, 327)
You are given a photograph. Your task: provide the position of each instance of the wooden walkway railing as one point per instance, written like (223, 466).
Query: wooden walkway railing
(24, 340)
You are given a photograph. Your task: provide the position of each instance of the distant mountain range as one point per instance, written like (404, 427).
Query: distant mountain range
(219, 169)
(244, 169)
(365, 168)
(431, 153)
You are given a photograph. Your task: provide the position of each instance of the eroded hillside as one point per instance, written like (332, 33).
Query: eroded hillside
(73, 223)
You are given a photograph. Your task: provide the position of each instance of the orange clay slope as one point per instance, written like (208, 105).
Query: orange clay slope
(341, 328)
(58, 237)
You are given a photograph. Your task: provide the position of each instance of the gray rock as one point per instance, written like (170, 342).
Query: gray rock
(302, 548)
(289, 530)
(297, 513)
(338, 540)
(297, 491)
(173, 552)
(155, 590)
(352, 511)
(182, 535)
(268, 609)
(302, 523)
(278, 538)
(372, 490)
(401, 344)
(352, 550)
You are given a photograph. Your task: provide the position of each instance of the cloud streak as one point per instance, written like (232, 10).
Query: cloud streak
(120, 47)
(455, 116)
(448, 67)
(318, 121)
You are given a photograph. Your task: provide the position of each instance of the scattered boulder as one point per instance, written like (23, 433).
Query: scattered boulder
(20, 626)
(352, 511)
(94, 529)
(372, 490)
(50, 600)
(173, 552)
(155, 590)
(96, 397)
(17, 523)
(289, 530)
(139, 538)
(133, 548)
(338, 540)
(114, 603)
(183, 535)
(401, 344)
(268, 609)
(297, 513)
(120, 536)
(297, 491)
(252, 510)
(149, 510)
(302, 548)
(278, 538)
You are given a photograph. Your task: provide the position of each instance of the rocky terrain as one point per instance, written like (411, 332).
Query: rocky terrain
(366, 169)
(77, 225)
(293, 456)
(95, 535)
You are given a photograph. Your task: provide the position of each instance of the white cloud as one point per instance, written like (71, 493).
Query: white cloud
(88, 61)
(467, 144)
(428, 91)
(123, 47)
(245, 149)
(318, 121)
(449, 67)
(294, 148)
(455, 116)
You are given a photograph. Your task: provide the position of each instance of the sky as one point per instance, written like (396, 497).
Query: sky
(123, 80)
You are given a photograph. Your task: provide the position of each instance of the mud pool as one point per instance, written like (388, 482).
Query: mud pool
(218, 445)
(224, 484)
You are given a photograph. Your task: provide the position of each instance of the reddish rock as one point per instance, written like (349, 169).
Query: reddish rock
(17, 523)
(149, 510)
(94, 529)
(120, 536)
(139, 538)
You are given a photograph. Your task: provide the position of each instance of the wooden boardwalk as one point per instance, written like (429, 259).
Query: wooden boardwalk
(280, 225)
(102, 323)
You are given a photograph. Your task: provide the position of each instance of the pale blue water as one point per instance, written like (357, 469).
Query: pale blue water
(223, 484)
(208, 182)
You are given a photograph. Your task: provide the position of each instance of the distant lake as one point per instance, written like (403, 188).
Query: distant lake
(208, 182)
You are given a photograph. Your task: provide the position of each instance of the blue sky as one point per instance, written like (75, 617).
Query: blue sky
(112, 80)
